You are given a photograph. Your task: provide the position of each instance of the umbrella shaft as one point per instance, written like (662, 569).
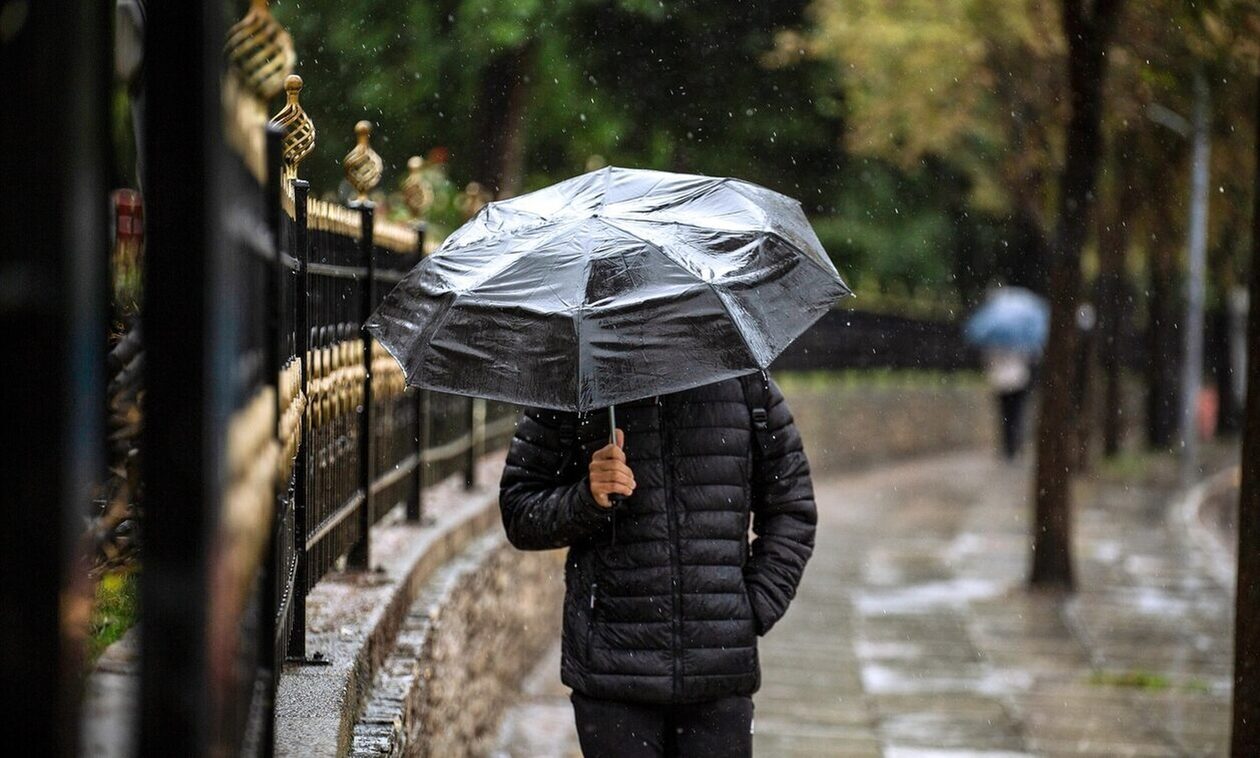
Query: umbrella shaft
(612, 425)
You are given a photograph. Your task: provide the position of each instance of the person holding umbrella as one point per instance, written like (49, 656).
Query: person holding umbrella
(1010, 328)
(658, 299)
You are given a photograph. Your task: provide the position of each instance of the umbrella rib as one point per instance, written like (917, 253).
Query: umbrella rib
(692, 225)
(577, 365)
(603, 195)
(649, 243)
(485, 211)
(731, 317)
(517, 255)
(712, 287)
(734, 187)
(578, 314)
(835, 274)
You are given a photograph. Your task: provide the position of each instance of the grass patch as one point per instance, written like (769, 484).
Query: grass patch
(1136, 679)
(1197, 686)
(115, 611)
(1136, 465)
(875, 378)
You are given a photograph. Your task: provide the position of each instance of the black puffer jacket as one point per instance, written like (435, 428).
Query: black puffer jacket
(665, 595)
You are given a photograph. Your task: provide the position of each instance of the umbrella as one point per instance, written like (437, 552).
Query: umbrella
(1012, 318)
(610, 287)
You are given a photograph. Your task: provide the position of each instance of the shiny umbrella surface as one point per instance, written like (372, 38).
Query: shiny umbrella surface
(609, 287)
(1012, 318)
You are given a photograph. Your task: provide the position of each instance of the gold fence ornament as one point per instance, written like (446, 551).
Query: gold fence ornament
(472, 199)
(363, 166)
(417, 189)
(260, 51)
(295, 125)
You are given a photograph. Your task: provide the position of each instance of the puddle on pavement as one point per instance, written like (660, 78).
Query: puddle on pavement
(880, 679)
(928, 597)
(896, 751)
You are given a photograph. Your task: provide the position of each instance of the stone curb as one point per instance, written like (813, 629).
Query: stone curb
(474, 632)
(381, 728)
(354, 618)
(1219, 557)
(110, 700)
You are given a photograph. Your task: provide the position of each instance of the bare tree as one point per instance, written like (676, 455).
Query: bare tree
(1088, 27)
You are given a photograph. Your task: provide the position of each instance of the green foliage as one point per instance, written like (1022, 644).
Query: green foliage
(973, 81)
(681, 85)
(115, 611)
(704, 86)
(889, 232)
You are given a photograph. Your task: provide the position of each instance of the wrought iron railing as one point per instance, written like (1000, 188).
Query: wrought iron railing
(325, 438)
(366, 444)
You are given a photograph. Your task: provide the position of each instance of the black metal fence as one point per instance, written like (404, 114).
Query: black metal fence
(367, 445)
(279, 433)
(853, 339)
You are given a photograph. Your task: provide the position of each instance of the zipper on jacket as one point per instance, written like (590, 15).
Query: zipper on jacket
(675, 563)
(590, 621)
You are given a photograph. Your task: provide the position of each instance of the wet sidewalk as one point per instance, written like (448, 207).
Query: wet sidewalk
(912, 633)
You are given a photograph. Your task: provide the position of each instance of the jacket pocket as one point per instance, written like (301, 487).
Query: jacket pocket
(753, 626)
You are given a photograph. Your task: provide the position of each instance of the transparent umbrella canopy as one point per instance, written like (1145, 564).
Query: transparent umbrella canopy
(1012, 318)
(610, 287)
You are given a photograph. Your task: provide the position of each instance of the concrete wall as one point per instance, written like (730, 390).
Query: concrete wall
(849, 423)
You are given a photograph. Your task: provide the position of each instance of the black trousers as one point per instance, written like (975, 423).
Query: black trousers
(716, 729)
(1011, 412)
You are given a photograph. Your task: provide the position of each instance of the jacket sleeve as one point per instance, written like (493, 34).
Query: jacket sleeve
(544, 495)
(784, 517)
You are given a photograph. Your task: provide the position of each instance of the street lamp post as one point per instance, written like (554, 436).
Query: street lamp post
(1198, 131)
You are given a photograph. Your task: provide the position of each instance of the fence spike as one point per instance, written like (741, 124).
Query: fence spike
(363, 166)
(417, 189)
(472, 199)
(296, 126)
(260, 51)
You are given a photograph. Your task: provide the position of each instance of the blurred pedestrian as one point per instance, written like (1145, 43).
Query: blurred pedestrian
(1010, 328)
(1010, 373)
(666, 595)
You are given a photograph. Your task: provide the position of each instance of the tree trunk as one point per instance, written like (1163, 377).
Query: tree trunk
(502, 104)
(1088, 36)
(1113, 290)
(1163, 348)
(1246, 733)
(1083, 397)
(1026, 260)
